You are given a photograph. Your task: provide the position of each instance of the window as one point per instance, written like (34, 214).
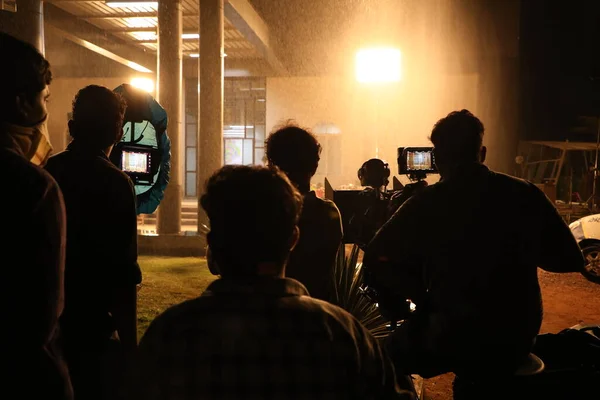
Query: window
(244, 123)
(191, 160)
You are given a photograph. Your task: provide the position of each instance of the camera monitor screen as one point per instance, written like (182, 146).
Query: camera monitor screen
(416, 159)
(135, 161)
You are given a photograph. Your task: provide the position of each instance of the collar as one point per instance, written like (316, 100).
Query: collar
(277, 287)
(85, 151)
(30, 142)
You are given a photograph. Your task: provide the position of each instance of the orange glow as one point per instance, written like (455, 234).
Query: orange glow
(378, 65)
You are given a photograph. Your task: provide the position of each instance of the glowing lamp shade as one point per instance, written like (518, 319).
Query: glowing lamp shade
(145, 84)
(378, 65)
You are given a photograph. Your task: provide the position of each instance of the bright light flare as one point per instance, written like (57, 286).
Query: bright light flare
(154, 36)
(141, 22)
(144, 35)
(145, 84)
(197, 55)
(378, 65)
(133, 4)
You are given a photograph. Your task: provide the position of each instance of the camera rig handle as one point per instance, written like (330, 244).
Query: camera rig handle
(417, 176)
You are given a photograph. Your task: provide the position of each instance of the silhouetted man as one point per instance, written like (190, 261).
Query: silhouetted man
(253, 333)
(466, 251)
(296, 152)
(99, 321)
(33, 224)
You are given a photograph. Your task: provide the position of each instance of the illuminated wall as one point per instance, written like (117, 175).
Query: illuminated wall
(455, 54)
(369, 118)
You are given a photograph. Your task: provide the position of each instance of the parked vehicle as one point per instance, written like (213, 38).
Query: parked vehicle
(587, 232)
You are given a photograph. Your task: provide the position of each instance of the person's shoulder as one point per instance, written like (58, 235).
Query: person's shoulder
(120, 178)
(174, 317)
(516, 185)
(58, 158)
(29, 173)
(29, 179)
(509, 179)
(322, 206)
(423, 197)
(339, 321)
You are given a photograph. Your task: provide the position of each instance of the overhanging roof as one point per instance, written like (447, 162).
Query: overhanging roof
(246, 35)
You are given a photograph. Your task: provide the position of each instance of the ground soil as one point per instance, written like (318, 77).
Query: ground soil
(569, 299)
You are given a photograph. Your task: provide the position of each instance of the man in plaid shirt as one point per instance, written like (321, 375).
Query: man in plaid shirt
(255, 334)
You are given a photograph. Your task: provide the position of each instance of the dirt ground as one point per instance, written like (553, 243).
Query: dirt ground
(569, 299)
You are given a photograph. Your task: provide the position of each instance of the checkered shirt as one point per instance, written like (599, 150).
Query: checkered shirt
(261, 339)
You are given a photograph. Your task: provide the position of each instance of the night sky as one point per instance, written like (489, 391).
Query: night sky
(560, 57)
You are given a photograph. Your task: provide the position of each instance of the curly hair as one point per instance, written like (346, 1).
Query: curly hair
(98, 115)
(458, 136)
(23, 71)
(253, 212)
(294, 150)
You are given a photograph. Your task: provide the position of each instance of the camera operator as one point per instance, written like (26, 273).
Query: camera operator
(374, 201)
(466, 252)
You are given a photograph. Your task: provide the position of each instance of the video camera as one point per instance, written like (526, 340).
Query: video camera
(365, 211)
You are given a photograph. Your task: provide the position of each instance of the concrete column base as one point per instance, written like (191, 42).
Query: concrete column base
(169, 211)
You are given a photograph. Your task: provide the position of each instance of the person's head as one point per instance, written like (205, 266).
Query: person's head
(374, 173)
(24, 78)
(253, 213)
(97, 120)
(296, 152)
(458, 139)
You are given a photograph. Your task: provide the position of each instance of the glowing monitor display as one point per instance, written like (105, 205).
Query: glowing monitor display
(416, 160)
(133, 161)
(419, 160)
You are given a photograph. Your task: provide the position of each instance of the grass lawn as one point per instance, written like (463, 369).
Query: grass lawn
(168, 281)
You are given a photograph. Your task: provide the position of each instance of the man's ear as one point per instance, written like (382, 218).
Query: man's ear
(482, 154)
(71, 125)
(210, 259)
(295, 237)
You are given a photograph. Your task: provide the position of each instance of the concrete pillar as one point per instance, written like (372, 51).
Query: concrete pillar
(210, 124)
(27, 23)
(169, 91)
